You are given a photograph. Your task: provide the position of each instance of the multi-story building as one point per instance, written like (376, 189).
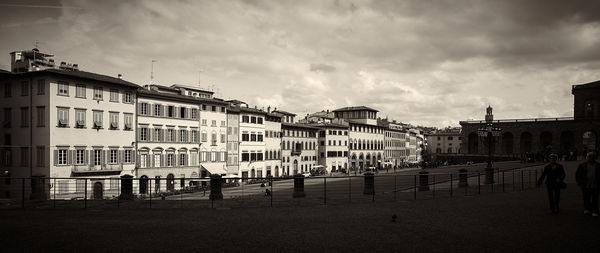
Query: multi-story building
(213, 134)
(366, 137)
(168, 141)
(445, 141)
(298, 148)
(286, 117)
(333, 146)
(412, 145)
(233, 140)
(394, 144)
(273, 144)
(252, 144)
(65, 123)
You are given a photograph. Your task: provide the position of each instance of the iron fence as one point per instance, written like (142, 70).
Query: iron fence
(132, 193)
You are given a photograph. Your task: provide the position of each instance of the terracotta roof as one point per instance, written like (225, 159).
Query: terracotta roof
(329, 125)
(354, 108)
(290, 125)
(284, 112)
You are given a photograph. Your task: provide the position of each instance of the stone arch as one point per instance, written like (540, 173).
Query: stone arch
(567, 139)
(473, 141)
(525, 142)
(507, 143)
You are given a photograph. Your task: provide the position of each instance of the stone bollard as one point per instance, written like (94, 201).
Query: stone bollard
(369, 183)
(216, 184)
(424, 181)
(126, 188)
(463, 176)
(489, 175)
(298, 186)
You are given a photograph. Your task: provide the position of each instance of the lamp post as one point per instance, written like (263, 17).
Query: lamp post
(489, 135)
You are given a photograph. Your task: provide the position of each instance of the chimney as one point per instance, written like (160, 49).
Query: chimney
(119, 76)
(269, 109)
(327, 111)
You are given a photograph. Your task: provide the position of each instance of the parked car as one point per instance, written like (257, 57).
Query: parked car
(306, 174)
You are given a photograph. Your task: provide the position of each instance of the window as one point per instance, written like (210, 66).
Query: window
(194, 113)
(259, 137)
(143, 108)
(259, 120)
(128, 120)
(170, 111)
(62, 157)
(182, 112)
(24, 157)
(245, 136)
(79, 118)
(182, 135)
(213, 139)
(98, 119)
(80, 91)
(114, 120)
(79, 155)
(222, 138)
(63, 117)
(127, 156)
(204, 122)
(7, 90)
(213, 123)
(213, 108)
(245, 119)
(97, 157)
(24, 88)
(63, 88)
(170, 135)
(204, 137)
(253, 137)
(41, 116)
(156, 135)
(128, 98)
(204, 107)
(113, 156)
(253, 120)
(98, 93)
(143, 134)
(222, 123)
(182, 159)
(157, 110)
(449, 138)
(194, 136)
(245, 156)
(7, 117)
(24, 116)
(170, 158)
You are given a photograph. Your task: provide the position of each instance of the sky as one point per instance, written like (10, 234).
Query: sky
(431, 63)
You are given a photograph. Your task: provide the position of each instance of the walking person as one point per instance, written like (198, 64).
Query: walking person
(588, 178)
(554, 173)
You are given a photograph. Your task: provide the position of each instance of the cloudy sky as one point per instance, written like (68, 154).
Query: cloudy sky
(422, 62)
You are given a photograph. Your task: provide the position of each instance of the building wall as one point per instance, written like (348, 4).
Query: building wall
(233, 138)
(395, 151)
(251, 168)
(213, 123)
(444, 143)
(296, 161)
(333, 141)
(366, 155)
(273, 148)
(159, 155)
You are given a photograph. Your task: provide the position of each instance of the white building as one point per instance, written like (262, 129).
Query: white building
(298, 148)
(66, 124)
(273, 144)
(366, 137)
(395, 144)
(252, 143)
(333, 146)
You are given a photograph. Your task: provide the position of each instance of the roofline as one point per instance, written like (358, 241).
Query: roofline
(68, 74)
(176, 97)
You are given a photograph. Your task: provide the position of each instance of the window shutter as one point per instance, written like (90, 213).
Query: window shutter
(135, 158)
(162, 111)
(103, 158)
(55, 157)
(137, 131)
(121, 156)
(88, 157)
(70, 159)
(163, 161)
(150, 159)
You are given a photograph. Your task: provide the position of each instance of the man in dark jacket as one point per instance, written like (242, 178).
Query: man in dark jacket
(588, 178)
(554, 174)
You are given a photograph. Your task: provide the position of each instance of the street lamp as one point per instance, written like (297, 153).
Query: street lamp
(489, 135)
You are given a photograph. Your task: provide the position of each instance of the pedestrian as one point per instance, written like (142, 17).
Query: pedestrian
(588, 178)
(554, 173)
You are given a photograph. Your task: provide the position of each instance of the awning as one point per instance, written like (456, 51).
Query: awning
(214, 168)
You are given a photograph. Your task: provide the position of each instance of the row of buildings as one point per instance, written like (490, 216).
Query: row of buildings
(66, 124)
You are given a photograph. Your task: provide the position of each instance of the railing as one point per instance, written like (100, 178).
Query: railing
(334, 189)
(519, 120)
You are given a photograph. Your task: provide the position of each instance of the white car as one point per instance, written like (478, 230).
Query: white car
(306, 174)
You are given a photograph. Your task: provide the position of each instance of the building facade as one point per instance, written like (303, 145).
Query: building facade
(273, 144)
(333, 146)
(298, 148)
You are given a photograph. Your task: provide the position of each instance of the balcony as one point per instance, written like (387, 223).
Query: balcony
(107, 169)
(296, 152)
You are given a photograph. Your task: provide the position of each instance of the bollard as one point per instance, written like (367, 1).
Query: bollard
(369, 188)
(298, 186)
(216, 184)
(424, 181)
(462, 178)
(489, 175)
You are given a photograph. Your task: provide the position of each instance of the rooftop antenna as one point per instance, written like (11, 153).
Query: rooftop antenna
(199, 78)
(152, 72)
